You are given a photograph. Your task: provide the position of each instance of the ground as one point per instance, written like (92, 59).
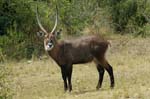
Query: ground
(129, 56)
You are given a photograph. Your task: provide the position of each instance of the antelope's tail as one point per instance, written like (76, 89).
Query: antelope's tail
(109, 43)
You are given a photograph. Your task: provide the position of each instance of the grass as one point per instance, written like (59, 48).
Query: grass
(129, 56)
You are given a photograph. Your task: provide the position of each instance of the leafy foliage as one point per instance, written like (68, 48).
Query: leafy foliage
(129, 15)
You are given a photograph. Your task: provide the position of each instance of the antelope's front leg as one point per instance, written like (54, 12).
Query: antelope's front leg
(69, 74)
(64, 76)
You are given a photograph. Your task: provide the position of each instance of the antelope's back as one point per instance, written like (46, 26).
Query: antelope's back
(82, 50)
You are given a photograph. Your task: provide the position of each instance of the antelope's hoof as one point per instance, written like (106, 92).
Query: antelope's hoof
(98, 87)
(112, 86)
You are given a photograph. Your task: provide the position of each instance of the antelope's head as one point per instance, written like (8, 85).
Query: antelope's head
(50, 38)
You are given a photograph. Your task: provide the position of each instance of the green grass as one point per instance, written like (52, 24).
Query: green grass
(129, 56)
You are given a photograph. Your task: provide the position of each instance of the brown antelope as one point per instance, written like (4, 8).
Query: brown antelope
(82, 50)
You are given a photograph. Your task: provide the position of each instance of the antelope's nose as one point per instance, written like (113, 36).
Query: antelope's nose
(50, 44)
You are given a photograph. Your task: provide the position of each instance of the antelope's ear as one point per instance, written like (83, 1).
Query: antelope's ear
(40, 34)
(57, 34)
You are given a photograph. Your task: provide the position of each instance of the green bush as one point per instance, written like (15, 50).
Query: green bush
(122, 11)
(18, 29)
(130, 16)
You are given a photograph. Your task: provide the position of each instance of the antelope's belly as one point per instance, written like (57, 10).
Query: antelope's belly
(81, 58)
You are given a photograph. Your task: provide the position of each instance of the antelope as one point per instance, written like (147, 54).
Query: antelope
(76, 51)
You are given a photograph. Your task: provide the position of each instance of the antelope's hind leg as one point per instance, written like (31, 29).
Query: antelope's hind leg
(105, 65)
(109, 69)
(101, 75)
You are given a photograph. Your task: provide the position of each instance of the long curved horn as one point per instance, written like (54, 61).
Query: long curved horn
(39, 23)
(56, 20)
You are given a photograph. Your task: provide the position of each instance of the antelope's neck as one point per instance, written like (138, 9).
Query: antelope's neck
(54, 52)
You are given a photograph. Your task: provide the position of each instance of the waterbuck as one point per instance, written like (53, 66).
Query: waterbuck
(76, 51)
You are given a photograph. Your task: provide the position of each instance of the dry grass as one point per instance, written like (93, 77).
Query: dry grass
(129, 56)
